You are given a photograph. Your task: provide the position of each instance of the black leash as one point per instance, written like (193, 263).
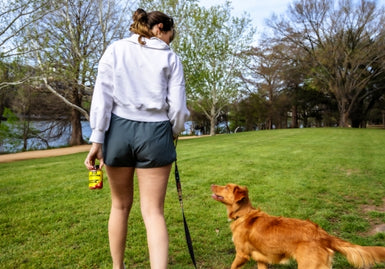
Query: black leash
(186, 230)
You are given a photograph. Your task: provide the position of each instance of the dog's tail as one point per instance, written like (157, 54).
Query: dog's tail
(359, 256)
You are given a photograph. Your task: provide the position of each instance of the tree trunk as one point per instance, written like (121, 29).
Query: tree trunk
(383, 118)
(76, 125)
(344, 119)
(213, 119)
(76, 129)
(294, 118)
(344, 111)
(212, 126)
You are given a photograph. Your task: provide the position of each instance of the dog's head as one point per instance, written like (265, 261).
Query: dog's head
(235, 197)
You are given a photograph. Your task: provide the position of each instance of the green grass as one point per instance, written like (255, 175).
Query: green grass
(49, 218)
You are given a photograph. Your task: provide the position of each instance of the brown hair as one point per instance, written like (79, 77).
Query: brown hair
(143, 23)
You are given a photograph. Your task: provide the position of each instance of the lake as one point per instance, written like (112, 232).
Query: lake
(36, 143)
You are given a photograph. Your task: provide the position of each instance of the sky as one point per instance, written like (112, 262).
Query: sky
(259, 10)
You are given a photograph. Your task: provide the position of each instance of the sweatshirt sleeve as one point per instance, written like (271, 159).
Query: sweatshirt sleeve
(102, 99)
(176, 97)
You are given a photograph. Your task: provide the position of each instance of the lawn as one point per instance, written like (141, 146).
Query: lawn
(335, 177)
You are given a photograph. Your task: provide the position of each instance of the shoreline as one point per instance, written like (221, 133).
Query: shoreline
(44, 153)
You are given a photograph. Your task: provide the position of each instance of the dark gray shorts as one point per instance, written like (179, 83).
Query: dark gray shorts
(138, 144)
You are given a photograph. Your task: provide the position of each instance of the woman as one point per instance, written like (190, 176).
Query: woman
(138, 107)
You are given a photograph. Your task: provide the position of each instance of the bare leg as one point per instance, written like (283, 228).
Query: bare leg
(121, 184)
(152, 187)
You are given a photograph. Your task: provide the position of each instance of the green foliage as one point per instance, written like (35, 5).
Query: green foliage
(10, 116)
(62, 41)
(50, 219)
(9, 130)
(210, 42)
(211, 56)
(16, 134)
(341, 44)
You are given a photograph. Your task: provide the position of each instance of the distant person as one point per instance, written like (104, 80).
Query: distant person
(138, 107)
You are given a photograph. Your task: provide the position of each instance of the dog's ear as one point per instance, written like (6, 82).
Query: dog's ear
(240, 194)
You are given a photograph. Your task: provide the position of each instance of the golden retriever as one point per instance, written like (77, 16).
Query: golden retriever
(276, 240)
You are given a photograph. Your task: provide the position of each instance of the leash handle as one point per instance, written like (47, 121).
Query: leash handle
(186, 229)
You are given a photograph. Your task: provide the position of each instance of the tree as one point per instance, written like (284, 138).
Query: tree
(209, 42)
(212, 59)
(249, 113)
(264, 72)
(343, 41)
(33, 117)
(9, 134)
(68, 44)
(15, 17)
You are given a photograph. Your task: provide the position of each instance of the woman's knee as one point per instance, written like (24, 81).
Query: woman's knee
(151, 210)
(122, 204)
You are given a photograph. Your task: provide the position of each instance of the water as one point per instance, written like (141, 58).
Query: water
(37, 144)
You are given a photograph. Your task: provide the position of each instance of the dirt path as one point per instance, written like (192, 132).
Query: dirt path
(43, 153)
(5, 158)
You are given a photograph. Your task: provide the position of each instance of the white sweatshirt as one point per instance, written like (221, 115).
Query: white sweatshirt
(139, 83)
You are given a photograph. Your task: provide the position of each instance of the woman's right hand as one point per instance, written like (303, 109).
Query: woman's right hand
(94, 154)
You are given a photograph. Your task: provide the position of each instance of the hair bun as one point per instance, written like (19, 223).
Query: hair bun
(140, 16)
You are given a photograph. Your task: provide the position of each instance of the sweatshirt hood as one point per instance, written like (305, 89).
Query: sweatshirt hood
(153, 42)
